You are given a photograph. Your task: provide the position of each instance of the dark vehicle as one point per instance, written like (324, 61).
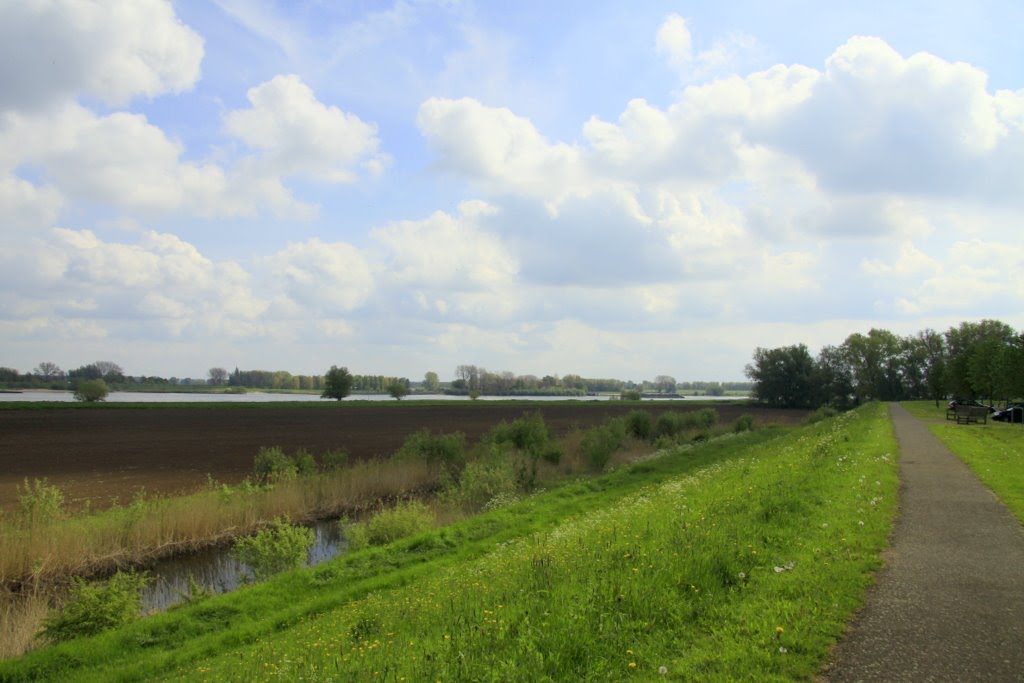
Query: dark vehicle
(1014, 413)
(964, 402)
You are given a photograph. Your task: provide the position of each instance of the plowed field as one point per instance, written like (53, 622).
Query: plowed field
(99, 455)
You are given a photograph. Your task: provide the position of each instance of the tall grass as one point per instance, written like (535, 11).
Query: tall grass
(145, 530)
(747, 570)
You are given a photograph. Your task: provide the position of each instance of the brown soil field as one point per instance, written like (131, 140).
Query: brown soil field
(103, 455)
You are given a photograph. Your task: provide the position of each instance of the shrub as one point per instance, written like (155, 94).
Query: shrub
(744, 423)
(639, 424)
(39, 502)
(704, 418)
(528, 434)
(482, 482)
(669, 424)
(630, 395)
(90, 390)
(305, 464)
(334, 460)
(278, 548)
(822, 413)
(398, 390)
(92, 608)
(445, 450)
(405, 519)
(600, 443)
(272, 465)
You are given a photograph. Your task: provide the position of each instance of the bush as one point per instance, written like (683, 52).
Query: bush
(630, 395)
(305, 463)
(90, 390)
(669, 424)
(528, 434)
(39, 502)
(92, 608)
(822, 413)
(446, 450)
(405, 519)
(483, 481)
(703, 418)
(744, 423)
(278, 548)
(600, 443)
(334, 460)
(639, 424)
(272, 465)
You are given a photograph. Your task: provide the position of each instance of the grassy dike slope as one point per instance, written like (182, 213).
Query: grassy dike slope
(738, 559)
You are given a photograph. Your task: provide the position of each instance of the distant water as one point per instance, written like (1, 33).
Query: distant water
(261, 397)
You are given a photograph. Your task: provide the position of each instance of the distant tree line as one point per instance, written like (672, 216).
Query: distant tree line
(974, 360)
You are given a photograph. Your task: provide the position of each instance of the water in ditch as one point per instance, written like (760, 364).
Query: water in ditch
(214, 570)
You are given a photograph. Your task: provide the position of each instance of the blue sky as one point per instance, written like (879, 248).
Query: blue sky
(574, 187)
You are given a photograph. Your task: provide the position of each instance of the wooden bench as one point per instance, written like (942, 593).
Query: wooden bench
(966, 415)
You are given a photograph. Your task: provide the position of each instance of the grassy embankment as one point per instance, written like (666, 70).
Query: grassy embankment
(994, 451)
(740, 559)
(41, 546)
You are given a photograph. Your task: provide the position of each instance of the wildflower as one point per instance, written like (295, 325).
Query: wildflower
(860, 523)
(632, 665)
(782, 650)
(779, 630)
(663, 670)
(743, 576)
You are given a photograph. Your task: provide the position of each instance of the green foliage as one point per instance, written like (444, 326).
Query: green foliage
(305, 463)
(405, 519)
(820, 414)
(337, 383)
(669, 424)
(630, 395)
(39, 502)
(92, 608)
(783, 376)
(278, 548)
(334, 460)
(482, 482)
(272, 465)
(640, 425)
(446, 450)
(91, 390)
(528, 433)
(474, 394)
(600, 443)
(744, 423)
(705, 418)
(398, 389)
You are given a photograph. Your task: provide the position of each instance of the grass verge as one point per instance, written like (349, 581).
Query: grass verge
(994, 451)
(738, 559)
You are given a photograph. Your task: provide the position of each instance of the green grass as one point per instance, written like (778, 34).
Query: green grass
(994, 451)
(691, 561)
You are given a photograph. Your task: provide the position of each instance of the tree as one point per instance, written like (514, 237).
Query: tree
(218, 376)
(665, 384)
(431, 382)
(90, 390)
(783, 376)
(337, 383)
(48, 370)
(398, 389)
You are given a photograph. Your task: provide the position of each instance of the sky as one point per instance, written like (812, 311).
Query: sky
(598, 188)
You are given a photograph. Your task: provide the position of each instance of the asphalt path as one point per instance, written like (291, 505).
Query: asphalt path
(949, 603)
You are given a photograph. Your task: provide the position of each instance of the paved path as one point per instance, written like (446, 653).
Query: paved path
(949, 605)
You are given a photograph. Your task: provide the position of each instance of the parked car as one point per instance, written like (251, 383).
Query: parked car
(1013, 413)
(965, 402)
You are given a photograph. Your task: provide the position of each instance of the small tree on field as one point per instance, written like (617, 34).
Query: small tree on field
(398, 390)
(90, 390)
(337, 383)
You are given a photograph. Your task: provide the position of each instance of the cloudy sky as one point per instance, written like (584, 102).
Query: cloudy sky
(602, 188)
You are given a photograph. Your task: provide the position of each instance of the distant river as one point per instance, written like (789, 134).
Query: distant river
(261, 397)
